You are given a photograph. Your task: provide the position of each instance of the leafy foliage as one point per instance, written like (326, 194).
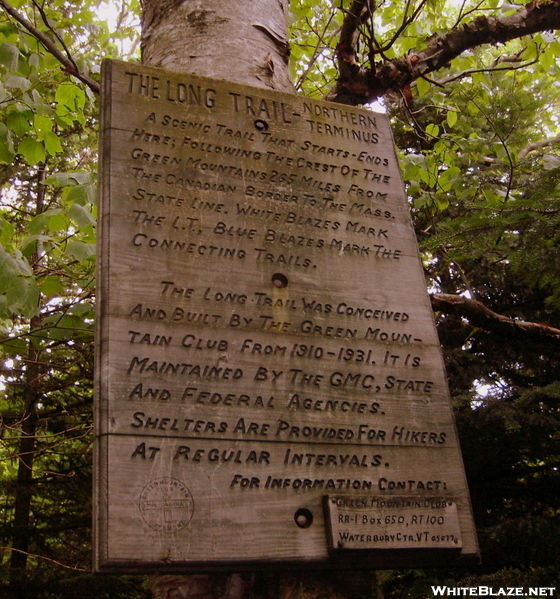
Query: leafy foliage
(484, 184)
(48, 124)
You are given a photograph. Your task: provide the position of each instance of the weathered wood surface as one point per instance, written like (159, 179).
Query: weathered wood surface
(265, 336)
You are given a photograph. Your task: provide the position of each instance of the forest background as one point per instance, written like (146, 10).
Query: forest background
(478, 136)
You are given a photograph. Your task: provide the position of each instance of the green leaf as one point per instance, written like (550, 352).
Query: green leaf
(81, 216)
(50, 286)
(34, 61)
(11, 267)
(28, 245)
(71, 101)
(32, 150)
(15, 346)
(80, 251)
(422, 86)
(68, 326)
(80, 194)
(22, 294)
(441, 202)
(4, 316)
(9, 56)
(6, 155)
(40, 222)
(70, 95)
(432, 130)
(52, 143)
(18, 82)
(6, 231)
(424, 175)
(69, 178)
(81, 310)
(451, 117)
(422, 200)
(547, 59)
(18, 121)
(58, 222)
(43, 125)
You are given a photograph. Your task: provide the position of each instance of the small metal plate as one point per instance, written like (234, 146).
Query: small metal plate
(377, 522)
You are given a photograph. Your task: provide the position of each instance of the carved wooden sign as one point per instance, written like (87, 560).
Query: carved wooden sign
(270, 387)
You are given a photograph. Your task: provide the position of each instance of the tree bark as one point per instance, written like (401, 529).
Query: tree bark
(480, 316)
(21, 535)
(245, 41)
(358, 85)
(22, 530)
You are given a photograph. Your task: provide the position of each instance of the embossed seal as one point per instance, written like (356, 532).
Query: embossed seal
(166, 504)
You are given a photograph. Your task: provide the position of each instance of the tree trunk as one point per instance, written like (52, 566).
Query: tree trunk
(21, 535)
(243, 41)
(22, 531)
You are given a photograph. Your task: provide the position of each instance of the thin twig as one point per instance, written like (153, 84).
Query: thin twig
(50, 47)
(317, 52)
(47, 559)
(55, 33)
(468, 72)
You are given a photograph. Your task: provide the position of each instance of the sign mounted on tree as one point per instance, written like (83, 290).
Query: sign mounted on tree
(270, 388)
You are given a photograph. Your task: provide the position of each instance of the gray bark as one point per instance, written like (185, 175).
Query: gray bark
(244, 41)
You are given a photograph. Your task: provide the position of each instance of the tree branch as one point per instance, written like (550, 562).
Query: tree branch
(538, 144)
(69, 65)
(362, 85)
(321, 45)
(357, 14)
(469, 72)
(488, 320)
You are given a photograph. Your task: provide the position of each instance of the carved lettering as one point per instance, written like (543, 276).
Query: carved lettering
(321, 459)
(217, 456)
(260, 337)
(332, 405)
(227, 399)
(209, 251)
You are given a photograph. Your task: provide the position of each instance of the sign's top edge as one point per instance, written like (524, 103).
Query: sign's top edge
(108, 63)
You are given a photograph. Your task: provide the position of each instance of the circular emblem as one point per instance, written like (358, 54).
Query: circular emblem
(166, 504)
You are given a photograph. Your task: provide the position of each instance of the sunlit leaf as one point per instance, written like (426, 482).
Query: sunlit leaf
(451, 117)
(432, 130)
(32, 150)
(422, 86)
(52, 143)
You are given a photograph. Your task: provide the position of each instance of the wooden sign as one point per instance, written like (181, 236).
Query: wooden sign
(270, 387)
